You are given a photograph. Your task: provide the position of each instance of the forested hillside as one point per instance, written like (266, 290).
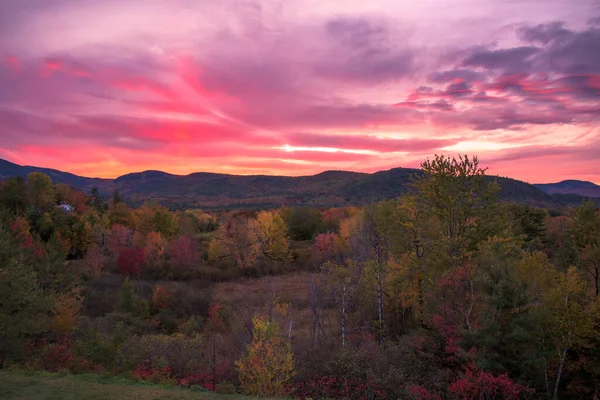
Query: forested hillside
(442, 292)
(211, 191)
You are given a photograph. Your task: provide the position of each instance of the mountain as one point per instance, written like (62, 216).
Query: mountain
(583, 188)
(222, 191)
(8, 170)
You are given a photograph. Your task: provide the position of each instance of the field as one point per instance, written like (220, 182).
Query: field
(19, 385)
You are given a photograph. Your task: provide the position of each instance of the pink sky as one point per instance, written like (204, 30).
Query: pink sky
(295, 87)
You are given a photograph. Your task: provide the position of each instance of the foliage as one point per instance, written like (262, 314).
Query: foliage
(268, 366)
(477, 385)
(24, 305)
(442, 292)
(130, 261)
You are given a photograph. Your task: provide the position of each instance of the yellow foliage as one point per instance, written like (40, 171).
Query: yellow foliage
(66, 311)
(272, 233)
(154, 246)
(268, 365)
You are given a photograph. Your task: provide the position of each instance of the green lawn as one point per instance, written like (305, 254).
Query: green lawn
(20, 385)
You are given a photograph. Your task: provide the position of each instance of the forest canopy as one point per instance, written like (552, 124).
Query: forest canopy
(445, 292)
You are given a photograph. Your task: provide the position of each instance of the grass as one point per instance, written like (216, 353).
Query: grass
(26, 385)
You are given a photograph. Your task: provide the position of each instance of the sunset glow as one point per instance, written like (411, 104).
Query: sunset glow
(296, 87)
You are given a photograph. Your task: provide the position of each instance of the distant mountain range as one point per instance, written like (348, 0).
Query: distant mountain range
(583, 188)
(327, 189)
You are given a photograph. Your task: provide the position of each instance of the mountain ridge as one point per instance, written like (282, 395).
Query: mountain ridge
(571, 186)
(221, 191)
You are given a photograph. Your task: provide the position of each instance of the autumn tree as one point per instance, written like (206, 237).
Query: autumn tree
(183, 252)
(272, 235)
(154, 247)
(161, 298)
(118, 238)
(236, 239)
(94, 261)
(268, 365)
(66, 311)
(342, 282)
(130, 261)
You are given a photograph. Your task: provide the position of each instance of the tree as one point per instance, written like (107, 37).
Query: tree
(183, 252)
(40, 191)
(66, 311)
(154, 247)
(303, 222)
(128, 300)
(13, 195)
(237, 239)
(458, 194)
(586, 235)
(130, 261)
(24, 306)
(118, 238)
(272, 234)
(268, 365)
(94, 261)
(161, 298)
(96, 199)
(116, 197)
(342, 281)
(568, 319)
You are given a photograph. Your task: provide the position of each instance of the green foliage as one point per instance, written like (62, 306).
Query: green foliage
(40, 191)
(303, 222)
(586, 238)
(129, 302)
(24, 306)
(457, 193)
(12, 196)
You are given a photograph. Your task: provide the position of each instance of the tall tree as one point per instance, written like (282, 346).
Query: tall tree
(586, 236)
(458, 193)
(40, 191)
(568, 317)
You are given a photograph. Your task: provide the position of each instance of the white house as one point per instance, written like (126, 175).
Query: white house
(66, 207)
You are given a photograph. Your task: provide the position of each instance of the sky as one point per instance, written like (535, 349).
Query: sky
(296, 87)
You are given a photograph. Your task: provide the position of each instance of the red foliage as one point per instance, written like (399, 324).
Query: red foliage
(183, 252)
(201, 379)
(420, 393)
(119, 237)
(57, 356)
(130, 261)
(457, 306)
(324, 248)
(147, 373)
(333, 387)
(478, 384)
(23, 238)
(160, 297)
